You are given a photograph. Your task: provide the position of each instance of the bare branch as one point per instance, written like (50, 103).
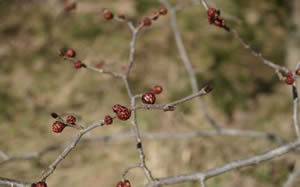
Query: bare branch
(295, 110)
(186, 61)
(132, 44)
(11, 182)
(139, 145)
(170, 106)
(153, 135)
(277, 68)
(229, 166)
(204, 4)
(202, 182)
(128, 169)
(100, 70)
(67, 150)
(291, 178)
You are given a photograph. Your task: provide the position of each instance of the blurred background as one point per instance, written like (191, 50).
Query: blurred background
(35, 81)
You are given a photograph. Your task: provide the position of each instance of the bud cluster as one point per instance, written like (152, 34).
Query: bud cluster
(71, 53)
(122, 112)
(59, 125)
(214, 17)
(126, 183)
(149, 97)
(147, 21)
(289, 78)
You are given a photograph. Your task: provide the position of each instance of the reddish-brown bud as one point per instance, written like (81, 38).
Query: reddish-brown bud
(58, 127)
(70, 6)
(78, 64)
(39, 184)
(116, 108)
(147, 21)
(120, 184)
(223, 23)
(211, 20)
(163, 11)
(108, 15)
(108, 120)
(217, 22)
(122, 112)
(211, 12)
(148, 98)
(127, 183)
(289, 80)
(298, 71)
(70, 53)
(71, 119)
(289, 74)
(158, 89)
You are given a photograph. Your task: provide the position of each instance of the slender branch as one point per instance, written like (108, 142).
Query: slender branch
(291, 178)
(153, 135)
(295, 110)
(277, 68)
(12, 182)
(67, 150)
(202, 182)
(135, 31)
(204, 4)
(132, 44)
(100, 70)
(139, 143)
(229, 166)
(170, 106)
(3, 155)
(129, 92)
(186, 61)
(138, 165)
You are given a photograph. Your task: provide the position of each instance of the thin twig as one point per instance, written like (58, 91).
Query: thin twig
(132, 44)
(139, 145)
(123, 176)
(68, 149)
(202, 182)
(204, 4)
(3, 155)
(277, 68)
(187, 63)
(100, 70)
(295, 110)
(170, 106)
(291, 178)
(12, 182)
